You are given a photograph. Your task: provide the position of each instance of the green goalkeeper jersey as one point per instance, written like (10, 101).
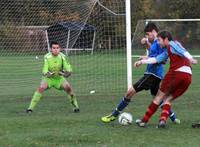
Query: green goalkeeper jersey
(55, 64)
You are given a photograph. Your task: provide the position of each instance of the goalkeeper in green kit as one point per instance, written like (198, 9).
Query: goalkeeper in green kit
(56, 68)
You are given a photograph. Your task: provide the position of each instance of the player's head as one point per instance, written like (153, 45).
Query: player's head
(55, 48)
(164, 37)
(151, 31)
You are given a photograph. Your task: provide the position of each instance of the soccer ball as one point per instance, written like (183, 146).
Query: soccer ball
(125, 118)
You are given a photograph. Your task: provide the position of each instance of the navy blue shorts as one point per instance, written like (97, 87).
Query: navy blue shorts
(148, 82)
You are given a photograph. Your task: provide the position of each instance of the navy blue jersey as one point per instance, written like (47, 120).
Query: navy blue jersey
(155, 69)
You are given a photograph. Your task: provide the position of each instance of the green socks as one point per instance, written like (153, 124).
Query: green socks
(73, 101)
(35, 100)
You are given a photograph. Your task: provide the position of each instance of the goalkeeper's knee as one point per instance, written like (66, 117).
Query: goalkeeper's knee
(43, 86)
(41, 89)
(68, 89)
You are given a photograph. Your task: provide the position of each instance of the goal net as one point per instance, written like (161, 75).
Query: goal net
(186, 31)
(91, 33)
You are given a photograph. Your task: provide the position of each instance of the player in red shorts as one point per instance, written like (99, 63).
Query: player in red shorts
(176, 80)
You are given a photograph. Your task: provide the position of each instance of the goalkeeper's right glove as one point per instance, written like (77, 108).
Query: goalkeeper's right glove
(49, 74)
(65, 74)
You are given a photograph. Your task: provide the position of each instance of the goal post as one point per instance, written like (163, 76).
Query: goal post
(128, 43)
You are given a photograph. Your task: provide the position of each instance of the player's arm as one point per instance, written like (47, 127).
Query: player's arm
(45, 70)
(147, 44)
(153, 60)
(67, 69)
(145, 41)
(181, 51)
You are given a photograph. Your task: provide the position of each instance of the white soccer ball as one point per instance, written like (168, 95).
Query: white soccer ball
(125, 118)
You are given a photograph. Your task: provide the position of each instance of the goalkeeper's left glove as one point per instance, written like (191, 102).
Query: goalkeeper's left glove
(65, 74)
(48, 74)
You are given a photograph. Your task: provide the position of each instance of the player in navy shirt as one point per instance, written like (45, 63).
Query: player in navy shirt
(155, 69)
(152, 75)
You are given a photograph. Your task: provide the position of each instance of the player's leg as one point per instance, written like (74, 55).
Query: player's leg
(154, 91)
(124, 101)
(162, 93)
(37, 96)
(143, 83)
(165, 111)
(151, 109)
(121, 106)
(172, 115)
(68, 89)
(181, 83)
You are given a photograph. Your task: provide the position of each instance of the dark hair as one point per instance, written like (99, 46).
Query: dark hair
(165, 34)
(150, 27)
(54, 42)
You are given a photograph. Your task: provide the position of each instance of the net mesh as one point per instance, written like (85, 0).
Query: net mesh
(91, 34)
(186, 32)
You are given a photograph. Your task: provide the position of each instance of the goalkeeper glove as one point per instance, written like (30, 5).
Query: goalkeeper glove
(64, 73)
(49, 74)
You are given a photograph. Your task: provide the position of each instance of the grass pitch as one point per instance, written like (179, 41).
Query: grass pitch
(53, 124)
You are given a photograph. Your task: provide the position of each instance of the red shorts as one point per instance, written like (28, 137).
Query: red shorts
(175, 83)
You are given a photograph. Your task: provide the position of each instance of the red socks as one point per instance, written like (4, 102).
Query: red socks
(165, 112)
(150, 111)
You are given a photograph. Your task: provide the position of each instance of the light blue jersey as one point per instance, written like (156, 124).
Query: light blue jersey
(155, 69)
(175, 48)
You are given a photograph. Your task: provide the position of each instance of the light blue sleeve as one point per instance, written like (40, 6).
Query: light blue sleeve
(162, 57)
(177, 48)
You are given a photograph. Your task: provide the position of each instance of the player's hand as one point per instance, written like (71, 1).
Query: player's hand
(144, 41)
(61, 73)
(49, 74)
(65, 74)
(193, 61)
(137, 63)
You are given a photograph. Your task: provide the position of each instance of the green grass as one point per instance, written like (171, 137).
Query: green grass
(53, 124)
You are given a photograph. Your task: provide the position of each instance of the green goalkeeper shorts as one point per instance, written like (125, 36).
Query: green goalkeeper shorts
(54, 82)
